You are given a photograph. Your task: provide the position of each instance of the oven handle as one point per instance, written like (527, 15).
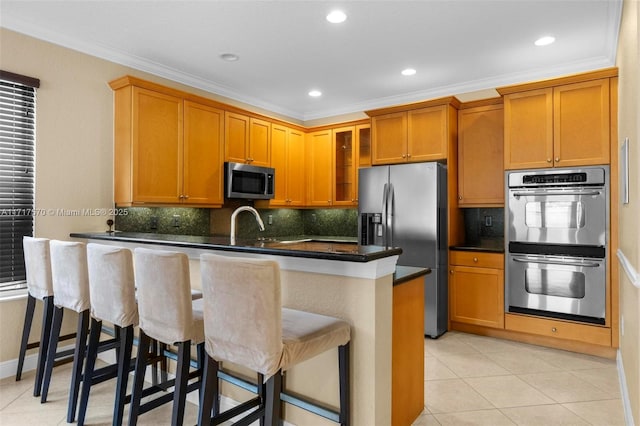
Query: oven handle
(552, 262)
(543, 193)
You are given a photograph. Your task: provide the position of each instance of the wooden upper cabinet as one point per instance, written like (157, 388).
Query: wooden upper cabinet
(319, 166)
(528, 129)
(345, 161)
(389, 132)
(363, 145)
(480, 156)
(560, 126)
(156, 127)
(427, 134)
(413, 133)
(581, 123)
(203, 154)
(247, 140)
(167, 149)
(287, 158)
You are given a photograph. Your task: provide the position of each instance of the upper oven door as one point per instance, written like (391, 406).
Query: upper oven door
(569, 215)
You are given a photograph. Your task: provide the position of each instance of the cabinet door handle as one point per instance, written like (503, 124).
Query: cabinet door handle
(451, 272)
(404, 155)
(460, 197)
(548, 160)
(408, 155)
(557, 159)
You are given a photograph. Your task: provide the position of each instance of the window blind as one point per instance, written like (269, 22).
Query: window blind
(17, 169)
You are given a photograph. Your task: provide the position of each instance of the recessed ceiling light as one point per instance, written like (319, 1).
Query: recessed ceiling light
(544, 41)
(336, 16)
(408, 71)
(229, 57)
(315, 93)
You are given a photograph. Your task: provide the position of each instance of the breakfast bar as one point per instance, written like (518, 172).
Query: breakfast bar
(330, 277)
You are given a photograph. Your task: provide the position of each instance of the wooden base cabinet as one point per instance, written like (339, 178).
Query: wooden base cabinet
(476, 288)
(566, 330)
(168, 150)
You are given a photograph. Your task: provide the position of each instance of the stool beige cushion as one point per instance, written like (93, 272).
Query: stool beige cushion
(111, 284)
(245, 323)
(167, 312)
(38, 266)
(70, 275)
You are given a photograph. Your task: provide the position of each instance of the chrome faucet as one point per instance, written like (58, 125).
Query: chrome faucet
(233, 220)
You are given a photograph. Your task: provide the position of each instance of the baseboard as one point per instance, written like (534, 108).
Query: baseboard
(624, 391)
(8, 368)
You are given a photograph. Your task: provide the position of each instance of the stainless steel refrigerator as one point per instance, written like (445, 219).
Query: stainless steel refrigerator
(405, 206)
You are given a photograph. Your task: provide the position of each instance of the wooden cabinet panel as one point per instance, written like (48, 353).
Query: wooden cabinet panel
(363, 145)
(559, 329)
(287, 158)
(203, 154)
(528, 129)
(476, 288)
(389, 138)
(407, 353)
(581, 118)
(236, 135)
(481, 156)
(157, 147)
(427, 134)
(345, 173)
(259, 147)
(319, 164)
(562, 126)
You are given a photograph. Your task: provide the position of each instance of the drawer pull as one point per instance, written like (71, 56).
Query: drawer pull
(553, 329)
(475, 259)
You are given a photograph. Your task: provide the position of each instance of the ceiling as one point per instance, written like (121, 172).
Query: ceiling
(287, 48)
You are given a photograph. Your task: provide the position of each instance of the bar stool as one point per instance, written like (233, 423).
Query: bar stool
(112, 296)
(37, 261)
(71, 287)
(169, 316)
(245, 324)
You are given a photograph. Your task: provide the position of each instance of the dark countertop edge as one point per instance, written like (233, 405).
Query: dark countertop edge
(408, 273)
(345, 257)
(478, 248)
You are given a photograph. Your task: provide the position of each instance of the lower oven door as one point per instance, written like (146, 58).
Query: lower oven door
(563, 287)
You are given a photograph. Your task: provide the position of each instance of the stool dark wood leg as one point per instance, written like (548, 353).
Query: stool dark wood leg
(262, 393)
(182, 379)
(345, 397)
(208, 392)
(56, 324)
(87, 377)
(144, 342)
(272, 405)
(47, 316)
(26, 329)
(78, 360)
(124, 360)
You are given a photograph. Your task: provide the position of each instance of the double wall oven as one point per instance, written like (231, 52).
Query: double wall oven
(557, 223)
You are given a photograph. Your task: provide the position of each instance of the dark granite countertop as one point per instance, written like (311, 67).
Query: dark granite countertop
(493, 245)
(407, 273)
(327, 248)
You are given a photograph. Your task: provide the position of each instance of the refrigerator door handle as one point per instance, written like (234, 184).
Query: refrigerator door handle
(385, 198)
(391, 208)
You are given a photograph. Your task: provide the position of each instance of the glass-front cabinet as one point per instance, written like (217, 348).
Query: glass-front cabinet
(352, 149)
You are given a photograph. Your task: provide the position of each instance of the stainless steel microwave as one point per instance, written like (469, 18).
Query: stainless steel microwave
(248, 182)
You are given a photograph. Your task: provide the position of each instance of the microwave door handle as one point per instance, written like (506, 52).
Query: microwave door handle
(555, 262)
(544, 193)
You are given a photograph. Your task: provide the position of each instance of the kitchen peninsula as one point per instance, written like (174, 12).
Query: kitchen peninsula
(337, 278)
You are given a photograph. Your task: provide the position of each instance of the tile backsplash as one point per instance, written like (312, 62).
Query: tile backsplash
(483, 224)
(278, 222)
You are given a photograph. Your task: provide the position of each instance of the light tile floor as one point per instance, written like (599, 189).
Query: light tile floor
(476, 380)
(469, 380)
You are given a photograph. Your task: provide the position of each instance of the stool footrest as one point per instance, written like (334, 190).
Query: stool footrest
(237, 410)
(161, 400)
(311, 406)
